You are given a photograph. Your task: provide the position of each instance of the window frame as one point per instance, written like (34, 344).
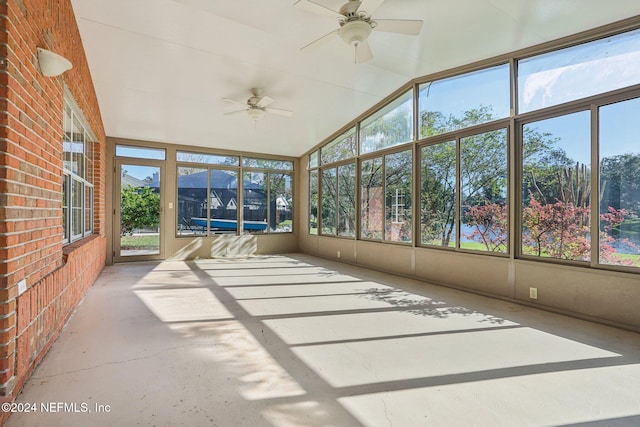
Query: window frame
(457, 137)
(512, 125)
(336, 167)
(288, 168)
(83, 177)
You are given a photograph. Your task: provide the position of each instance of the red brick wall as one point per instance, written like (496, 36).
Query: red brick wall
(31, 133)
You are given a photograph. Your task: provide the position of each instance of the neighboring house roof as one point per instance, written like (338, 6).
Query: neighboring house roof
(219, 179)
(134, 182)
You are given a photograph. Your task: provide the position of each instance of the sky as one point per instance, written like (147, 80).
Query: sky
(544, 80)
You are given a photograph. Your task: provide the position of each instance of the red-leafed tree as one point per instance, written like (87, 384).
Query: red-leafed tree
(556, 230)
(489, 224)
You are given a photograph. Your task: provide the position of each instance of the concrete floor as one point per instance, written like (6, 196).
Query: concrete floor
(299, 341)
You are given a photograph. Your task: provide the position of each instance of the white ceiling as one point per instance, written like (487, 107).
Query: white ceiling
(161, 67)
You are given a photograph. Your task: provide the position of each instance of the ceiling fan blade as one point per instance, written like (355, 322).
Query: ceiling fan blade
(234, 112)
(317, 8)
(370, 6)
(319, 42)
(264, 101)
(233, 101)
(401, 26)
(363, 52)
(285, 113)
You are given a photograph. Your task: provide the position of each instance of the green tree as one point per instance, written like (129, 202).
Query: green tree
(347, 200)
(620, 182)
(139, 209)
(438, 193)
(483, 169)
(483, 165)
(398, 196)
(328, 202)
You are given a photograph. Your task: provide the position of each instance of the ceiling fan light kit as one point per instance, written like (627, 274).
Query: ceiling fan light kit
(255, 113)
(356, 25)
(355, 32)
(256, 106)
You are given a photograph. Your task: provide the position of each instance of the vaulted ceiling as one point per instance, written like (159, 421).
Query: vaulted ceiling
(162, 67)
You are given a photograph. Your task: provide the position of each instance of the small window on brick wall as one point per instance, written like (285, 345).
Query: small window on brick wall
(78, 168)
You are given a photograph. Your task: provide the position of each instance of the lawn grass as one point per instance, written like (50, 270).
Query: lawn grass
(140, 242)
(633, 258)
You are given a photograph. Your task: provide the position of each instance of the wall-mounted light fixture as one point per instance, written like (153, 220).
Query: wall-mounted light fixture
(51, 64)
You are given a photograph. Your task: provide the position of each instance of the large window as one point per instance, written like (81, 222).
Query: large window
(438, 206)
(371, 199)
(462, 101)
(206, 158)
(386, 198)
(280, 202)
(209, 189)
(341, 148)
(193, 202)
(313, 160)
(483, 192)
(398, 184)
(339, 200)
(329, 201)
(140, 152)
(78, 174)
(556, 187)
(313, 201)
(347, 200)
(390, 126)
(252, 162)
(476, 166)
(541, 112)
(268, 200)
(256, 201)
(579, 71)
(619, 184)
(207, 201)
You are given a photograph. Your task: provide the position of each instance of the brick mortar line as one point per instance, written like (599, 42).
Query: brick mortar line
(30, 101)
(38, 136)
(30, 196)
(22, 208)
(27, 174)
(23, 267)
(25, 220)
(17, 233)
(41, 102)
(53, 300)
(30, 264)
(33, 240)
(25, 255)
(25, 22)
(19, 158)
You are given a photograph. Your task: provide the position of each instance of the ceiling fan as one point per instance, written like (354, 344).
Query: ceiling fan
(356, 24)
(256, 106)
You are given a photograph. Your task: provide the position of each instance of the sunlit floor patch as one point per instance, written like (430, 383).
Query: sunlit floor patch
(364, 301)
(384, 360)
(182, 305)
(279, 279)
(317, 289)
(234, 349)
(549, 399)
(262, 270)
(309, 414)
(386, 324)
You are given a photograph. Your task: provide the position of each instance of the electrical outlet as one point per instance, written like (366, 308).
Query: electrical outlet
(22, 286)
(338, 254)
(533, 293)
